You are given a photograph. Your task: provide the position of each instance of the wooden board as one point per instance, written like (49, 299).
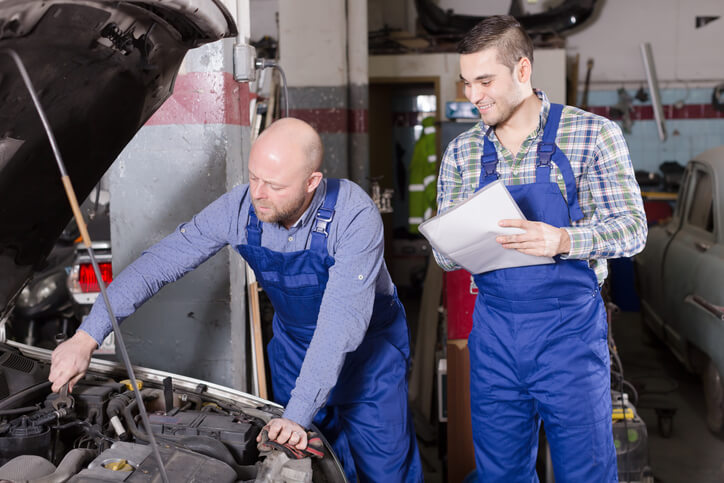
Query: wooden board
(461, 454)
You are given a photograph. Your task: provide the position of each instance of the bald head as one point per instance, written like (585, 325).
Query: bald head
(297, 139)
(284, 171)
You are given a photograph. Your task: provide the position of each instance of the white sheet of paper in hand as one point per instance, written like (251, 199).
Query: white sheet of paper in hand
(466, 233)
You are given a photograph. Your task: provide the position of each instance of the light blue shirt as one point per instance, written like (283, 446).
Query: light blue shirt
(356, 242)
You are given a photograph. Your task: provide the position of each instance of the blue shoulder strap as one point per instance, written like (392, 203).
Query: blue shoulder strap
(253, 228)
(548, 151)
(324, 217)
(547, 147)
(489, 163)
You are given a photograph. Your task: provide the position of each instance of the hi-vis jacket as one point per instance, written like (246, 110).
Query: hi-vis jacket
(423, 176)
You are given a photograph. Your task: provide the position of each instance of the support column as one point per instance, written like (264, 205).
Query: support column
(358, 61)
(323, 51)
(188, 154)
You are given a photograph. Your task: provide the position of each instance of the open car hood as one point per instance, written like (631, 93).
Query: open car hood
(101, 69)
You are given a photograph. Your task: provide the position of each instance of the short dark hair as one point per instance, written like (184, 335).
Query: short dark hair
(503, 32)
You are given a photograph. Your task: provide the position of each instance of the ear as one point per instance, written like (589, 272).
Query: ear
(313, 181)
(524, 70)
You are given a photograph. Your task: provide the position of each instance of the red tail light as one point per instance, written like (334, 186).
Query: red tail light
(87, 277)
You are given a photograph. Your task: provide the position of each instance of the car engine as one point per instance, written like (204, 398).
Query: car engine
(99, 436)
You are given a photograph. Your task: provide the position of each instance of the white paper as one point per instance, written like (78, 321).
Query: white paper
(466, 233)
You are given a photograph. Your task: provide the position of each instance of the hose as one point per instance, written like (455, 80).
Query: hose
(13, 412)
(72, 463)
(128, 415)
(28, 393)
(267, 63)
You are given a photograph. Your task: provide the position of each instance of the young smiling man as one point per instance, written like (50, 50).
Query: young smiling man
(538, 347)
(340, 352)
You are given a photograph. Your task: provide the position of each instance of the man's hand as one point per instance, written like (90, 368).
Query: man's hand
(539, 239)
(285, 431)
(70, 360)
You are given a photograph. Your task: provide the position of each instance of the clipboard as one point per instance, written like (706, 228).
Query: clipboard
(466, 233)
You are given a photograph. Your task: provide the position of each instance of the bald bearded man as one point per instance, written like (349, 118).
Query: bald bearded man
(340, 353)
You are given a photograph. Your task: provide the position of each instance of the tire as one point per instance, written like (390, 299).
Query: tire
(714, 398)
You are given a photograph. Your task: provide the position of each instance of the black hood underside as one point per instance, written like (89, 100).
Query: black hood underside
(101, 69)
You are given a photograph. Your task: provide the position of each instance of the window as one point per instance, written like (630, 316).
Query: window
(701, 211)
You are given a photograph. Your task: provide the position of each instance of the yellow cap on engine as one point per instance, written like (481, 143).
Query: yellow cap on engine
(119, 465)
(129, 386)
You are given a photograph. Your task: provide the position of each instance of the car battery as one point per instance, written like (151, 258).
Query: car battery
(459, 300)
(236, 432)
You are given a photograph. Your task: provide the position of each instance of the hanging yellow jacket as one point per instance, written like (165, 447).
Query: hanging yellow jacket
(423, 176)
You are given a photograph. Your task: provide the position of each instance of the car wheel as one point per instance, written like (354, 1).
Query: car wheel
(714, 397)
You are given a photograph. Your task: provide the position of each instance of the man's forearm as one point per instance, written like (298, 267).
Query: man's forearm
(618, 238)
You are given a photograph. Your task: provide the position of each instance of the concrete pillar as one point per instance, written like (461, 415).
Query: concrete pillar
(358, 60)
(189, 153)
(323, 51)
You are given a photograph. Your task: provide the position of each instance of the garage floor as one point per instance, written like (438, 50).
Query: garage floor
(691, 454)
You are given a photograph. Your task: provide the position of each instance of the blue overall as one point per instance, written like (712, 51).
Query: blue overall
(538, 347)
(366, 418)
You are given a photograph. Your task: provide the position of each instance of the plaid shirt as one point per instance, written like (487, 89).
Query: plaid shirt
(613, 223)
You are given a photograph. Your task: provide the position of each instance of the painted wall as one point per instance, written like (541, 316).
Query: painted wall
(612, 38)
(313, 50)
(692, 125)
(264, 18)
(686, 59)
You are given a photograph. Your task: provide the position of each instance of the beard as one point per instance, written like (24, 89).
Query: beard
(504, 108)
(284, 214)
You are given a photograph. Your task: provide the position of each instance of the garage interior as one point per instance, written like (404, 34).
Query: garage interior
(365, 74)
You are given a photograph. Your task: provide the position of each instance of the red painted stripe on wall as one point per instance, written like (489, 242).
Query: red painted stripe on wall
(334, 120)
(646, 113)
(205, 98)
(358, 122)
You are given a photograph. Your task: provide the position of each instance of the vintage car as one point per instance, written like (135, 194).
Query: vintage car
(680, 275)
(101, 68)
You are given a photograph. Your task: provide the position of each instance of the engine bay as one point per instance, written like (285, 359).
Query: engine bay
(98, 435)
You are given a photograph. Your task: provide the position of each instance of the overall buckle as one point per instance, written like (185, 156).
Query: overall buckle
(323, 219)
(545, 153)
(490, 164)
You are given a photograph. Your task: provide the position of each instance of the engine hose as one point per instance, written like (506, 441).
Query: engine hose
(196, 399)
(128, 415)
(71, 464)
(117, 404)
(13, 412)
(29, 393)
